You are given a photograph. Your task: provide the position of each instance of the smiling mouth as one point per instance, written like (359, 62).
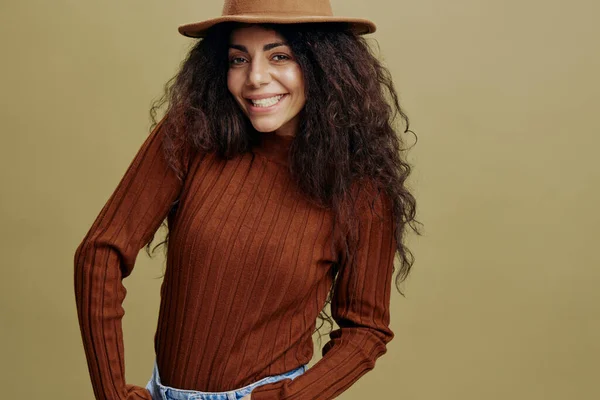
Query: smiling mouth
(265, 103)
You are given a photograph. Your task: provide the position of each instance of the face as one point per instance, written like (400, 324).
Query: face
(265, 80)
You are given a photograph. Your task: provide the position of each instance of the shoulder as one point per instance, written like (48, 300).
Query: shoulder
(178, 150)
(371, 198)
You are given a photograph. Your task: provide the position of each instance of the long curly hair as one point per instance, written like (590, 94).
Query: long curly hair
(346, 135)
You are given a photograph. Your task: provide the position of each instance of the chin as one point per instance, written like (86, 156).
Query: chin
(262, 127)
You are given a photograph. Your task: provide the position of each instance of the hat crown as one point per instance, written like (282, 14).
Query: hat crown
(278, 7)
(277, 12)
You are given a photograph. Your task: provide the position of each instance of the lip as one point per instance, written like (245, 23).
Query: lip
(262, 96)
(260, 110)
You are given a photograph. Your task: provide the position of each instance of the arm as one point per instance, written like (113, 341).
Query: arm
(363, 325)
(107, 254)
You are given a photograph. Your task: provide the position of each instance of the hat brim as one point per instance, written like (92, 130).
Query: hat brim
(198, 29)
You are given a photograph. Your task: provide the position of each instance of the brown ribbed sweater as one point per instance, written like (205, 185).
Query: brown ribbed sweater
(248, 271)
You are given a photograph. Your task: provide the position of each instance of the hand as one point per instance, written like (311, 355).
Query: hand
(247, 397)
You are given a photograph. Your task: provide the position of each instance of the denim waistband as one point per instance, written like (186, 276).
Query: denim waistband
(162, 392)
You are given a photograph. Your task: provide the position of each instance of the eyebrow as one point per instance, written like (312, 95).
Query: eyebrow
(266, 47)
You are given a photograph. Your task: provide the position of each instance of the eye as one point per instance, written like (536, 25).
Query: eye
(236, 60)
(283, 57)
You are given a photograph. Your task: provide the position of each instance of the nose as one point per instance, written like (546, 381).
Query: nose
(258, 73)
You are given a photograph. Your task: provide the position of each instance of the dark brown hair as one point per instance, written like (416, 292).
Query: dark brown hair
(346, 136)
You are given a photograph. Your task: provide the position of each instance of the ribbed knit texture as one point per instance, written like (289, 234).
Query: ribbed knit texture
(248, 271)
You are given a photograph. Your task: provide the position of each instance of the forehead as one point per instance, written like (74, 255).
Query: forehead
(254, 34)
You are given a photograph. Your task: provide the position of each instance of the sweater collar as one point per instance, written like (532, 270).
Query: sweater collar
(274, 147)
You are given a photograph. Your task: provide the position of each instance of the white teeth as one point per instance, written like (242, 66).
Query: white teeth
(267, 102)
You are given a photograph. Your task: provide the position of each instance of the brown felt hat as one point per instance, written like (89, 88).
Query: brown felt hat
(276, 12)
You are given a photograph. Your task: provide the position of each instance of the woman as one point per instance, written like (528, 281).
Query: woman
(279, 173)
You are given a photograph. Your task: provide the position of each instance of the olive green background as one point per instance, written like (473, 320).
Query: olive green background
(503, 300)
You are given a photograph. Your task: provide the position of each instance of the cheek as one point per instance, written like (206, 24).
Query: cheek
(293, 80)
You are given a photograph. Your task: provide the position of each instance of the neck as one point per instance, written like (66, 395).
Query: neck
(290, 128)
(274, 147)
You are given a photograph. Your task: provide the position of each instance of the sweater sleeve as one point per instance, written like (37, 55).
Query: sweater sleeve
(363, 322)
(107, 254)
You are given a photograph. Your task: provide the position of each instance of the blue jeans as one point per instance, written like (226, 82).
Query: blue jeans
(161, 392)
